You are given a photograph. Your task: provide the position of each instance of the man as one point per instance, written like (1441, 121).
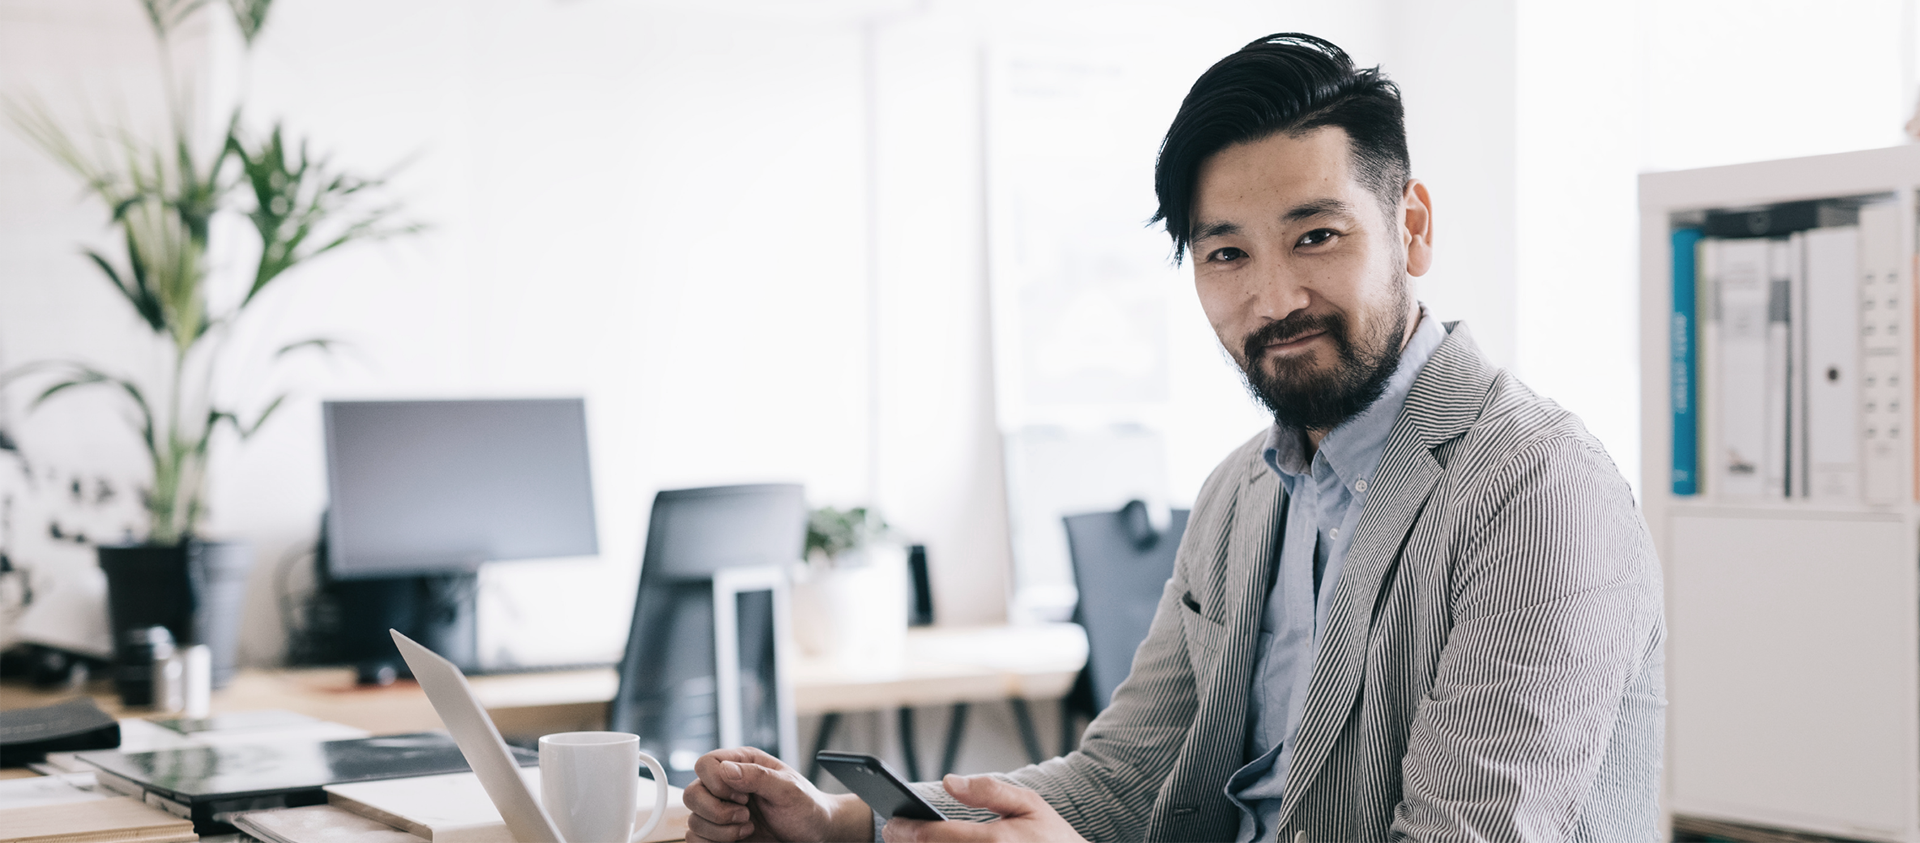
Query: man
(1422, 606)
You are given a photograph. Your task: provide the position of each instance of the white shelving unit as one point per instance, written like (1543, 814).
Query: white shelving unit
(1794, 651)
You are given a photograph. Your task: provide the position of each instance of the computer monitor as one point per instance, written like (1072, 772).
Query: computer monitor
(427, 487)
(423, 492)
(705, 658)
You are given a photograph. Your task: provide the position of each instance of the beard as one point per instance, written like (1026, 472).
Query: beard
(1304, 396)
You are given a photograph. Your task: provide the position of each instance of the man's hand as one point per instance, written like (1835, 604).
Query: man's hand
(746, 794)
(1024, 816)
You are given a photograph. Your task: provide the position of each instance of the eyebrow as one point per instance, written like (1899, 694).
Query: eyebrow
(1302, 211)
(1215, 229)
(1316, 208)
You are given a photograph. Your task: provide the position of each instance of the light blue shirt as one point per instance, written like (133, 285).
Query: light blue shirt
(1325, 498)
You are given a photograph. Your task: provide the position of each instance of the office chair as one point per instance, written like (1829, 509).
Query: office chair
(706, 657)
(1121, 562)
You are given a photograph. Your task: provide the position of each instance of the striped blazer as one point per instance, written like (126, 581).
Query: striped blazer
(1491, 668)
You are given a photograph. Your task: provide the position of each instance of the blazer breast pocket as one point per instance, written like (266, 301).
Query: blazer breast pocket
(1206, 639)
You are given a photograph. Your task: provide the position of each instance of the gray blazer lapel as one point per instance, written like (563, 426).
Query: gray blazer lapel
(1443, 403)
(1255, 530)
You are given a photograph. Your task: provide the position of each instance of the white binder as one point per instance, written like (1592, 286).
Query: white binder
(1833, 363)
(1885, 322)
(1741, 284)
(1775, 460)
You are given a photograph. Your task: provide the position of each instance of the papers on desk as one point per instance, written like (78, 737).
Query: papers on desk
(318, 824)
(119, 819)
(139, 735)
(455, 808)
(49, 790)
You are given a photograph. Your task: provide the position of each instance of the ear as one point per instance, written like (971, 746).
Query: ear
(1416, 216)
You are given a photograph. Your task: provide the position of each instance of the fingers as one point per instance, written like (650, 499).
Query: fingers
(714, 819)
(747, 755)
(987, 792)
(773, 787)
(717, 769)
(703, 803)
(699, 831)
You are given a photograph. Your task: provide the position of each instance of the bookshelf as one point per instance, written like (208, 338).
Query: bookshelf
(1794, 621)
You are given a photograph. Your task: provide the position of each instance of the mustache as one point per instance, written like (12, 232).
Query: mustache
(1294, 326)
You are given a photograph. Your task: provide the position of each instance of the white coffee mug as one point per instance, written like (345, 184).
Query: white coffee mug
(590, 785)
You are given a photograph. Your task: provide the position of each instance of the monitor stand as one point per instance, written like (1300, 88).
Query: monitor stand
(435, 610)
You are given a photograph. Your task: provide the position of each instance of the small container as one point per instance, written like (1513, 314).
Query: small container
(144, 656)
(197, 682)
(169, 681)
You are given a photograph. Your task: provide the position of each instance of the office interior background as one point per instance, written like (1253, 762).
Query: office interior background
(799, 240)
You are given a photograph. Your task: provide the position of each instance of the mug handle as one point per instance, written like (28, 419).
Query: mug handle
(659, 798)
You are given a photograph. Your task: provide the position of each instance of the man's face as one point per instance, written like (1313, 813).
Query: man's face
(1304, 275)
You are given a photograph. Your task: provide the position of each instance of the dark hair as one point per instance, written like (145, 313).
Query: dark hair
(1287, 82)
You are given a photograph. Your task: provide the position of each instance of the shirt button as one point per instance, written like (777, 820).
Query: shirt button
(1359, 485)
(1336, 532)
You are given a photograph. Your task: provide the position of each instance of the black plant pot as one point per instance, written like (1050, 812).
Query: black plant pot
(195, 589)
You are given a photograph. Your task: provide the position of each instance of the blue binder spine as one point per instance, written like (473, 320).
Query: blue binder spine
(1683, 349)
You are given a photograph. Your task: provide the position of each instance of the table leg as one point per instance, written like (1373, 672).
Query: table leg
(828, 722)
(1027, 735)
(956, 725)
(907, 744)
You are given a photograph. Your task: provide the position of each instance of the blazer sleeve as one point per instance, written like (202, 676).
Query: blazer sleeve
(1107, 788)
(1555, 613)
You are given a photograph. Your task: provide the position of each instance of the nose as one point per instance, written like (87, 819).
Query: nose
(1274, 293)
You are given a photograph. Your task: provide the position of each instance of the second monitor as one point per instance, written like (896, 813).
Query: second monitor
(422, 492)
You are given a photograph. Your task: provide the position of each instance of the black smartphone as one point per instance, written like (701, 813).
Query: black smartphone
(877, 786)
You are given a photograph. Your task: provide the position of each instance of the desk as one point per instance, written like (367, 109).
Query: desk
(942, 666)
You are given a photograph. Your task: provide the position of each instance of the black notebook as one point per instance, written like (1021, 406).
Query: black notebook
(28, 734)
(203, 781)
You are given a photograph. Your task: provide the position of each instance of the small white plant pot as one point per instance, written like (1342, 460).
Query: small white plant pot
(855, 611)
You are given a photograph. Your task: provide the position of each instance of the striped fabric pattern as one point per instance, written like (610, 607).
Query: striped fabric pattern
(1492, 667)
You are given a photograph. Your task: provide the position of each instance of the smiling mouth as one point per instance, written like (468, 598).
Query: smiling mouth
(1294, 342)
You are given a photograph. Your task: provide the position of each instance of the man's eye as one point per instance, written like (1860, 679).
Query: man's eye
(1317, 237)
(1226, 255)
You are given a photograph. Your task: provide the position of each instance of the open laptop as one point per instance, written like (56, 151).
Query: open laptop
(480, 742)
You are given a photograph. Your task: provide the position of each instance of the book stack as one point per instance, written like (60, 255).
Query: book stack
(205, 783)
(115, 820)
(71, 809)
(1791, 374)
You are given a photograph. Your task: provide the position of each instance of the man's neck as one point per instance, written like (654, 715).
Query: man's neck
(1311, 440)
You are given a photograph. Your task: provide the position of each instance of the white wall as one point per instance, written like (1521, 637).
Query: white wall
(1455, 65)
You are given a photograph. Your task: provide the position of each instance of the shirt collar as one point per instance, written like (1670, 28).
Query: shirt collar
(1353, 448)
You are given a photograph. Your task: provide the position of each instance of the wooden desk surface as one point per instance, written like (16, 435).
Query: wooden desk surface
(942, 665)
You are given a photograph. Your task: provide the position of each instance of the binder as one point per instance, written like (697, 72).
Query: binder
(1833, 360)
(1797, 366)
(1683, 361)
(1884, 315)
(1706, 305)
(1742, 287)
(1775, 459)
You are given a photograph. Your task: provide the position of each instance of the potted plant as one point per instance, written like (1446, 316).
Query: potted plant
(850, 595)
(162, 197)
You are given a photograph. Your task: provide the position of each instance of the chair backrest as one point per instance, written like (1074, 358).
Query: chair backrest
(671, 689)
(1120, 565)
